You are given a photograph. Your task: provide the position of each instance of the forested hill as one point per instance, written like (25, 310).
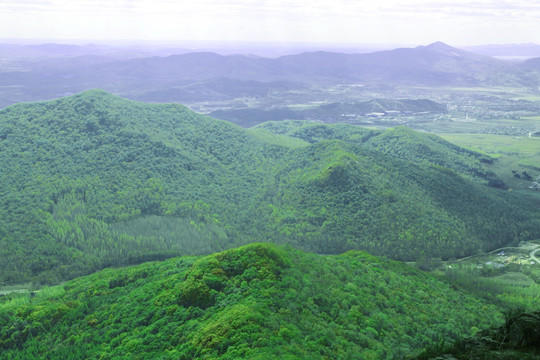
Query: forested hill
(94, 180)
(400, 142)
(259, 301)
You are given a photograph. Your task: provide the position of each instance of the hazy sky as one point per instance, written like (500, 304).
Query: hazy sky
(457, 22)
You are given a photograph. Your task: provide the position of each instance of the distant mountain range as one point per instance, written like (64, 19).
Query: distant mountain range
(332, 112)
(202, 76)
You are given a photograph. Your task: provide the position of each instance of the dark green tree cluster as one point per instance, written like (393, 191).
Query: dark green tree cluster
(517, 339)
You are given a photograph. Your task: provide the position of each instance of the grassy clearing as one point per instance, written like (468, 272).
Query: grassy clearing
(457, 124)
(23, 294)
(514, 279)
(509, 92)
(276, 139)
(518, 146)
(303, 106)
(19, 288)
(513, 153)
(532, 163)
(526, 96)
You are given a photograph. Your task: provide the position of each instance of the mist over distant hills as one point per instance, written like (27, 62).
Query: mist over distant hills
(201, 75)
(528, 50)
(332, 112)
(33, 48)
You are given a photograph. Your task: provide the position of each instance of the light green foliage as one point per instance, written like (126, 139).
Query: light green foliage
(259, 301)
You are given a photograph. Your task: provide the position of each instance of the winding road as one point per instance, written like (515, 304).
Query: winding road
(532, 253)
(533, 257)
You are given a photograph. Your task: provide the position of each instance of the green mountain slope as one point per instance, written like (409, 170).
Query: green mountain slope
(255, 302)
(335, 196)
(93, 180)
(400, 142)
(76, 165)
(423, 148)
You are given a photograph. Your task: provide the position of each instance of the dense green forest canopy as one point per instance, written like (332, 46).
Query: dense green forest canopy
(93, 180)
(260, 301)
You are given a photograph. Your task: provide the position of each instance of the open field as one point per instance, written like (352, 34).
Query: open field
(496, 145)
(514, 279)
(515, 155)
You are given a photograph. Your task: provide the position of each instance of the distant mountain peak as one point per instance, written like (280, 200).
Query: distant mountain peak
(439, 45)
(441, 49)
